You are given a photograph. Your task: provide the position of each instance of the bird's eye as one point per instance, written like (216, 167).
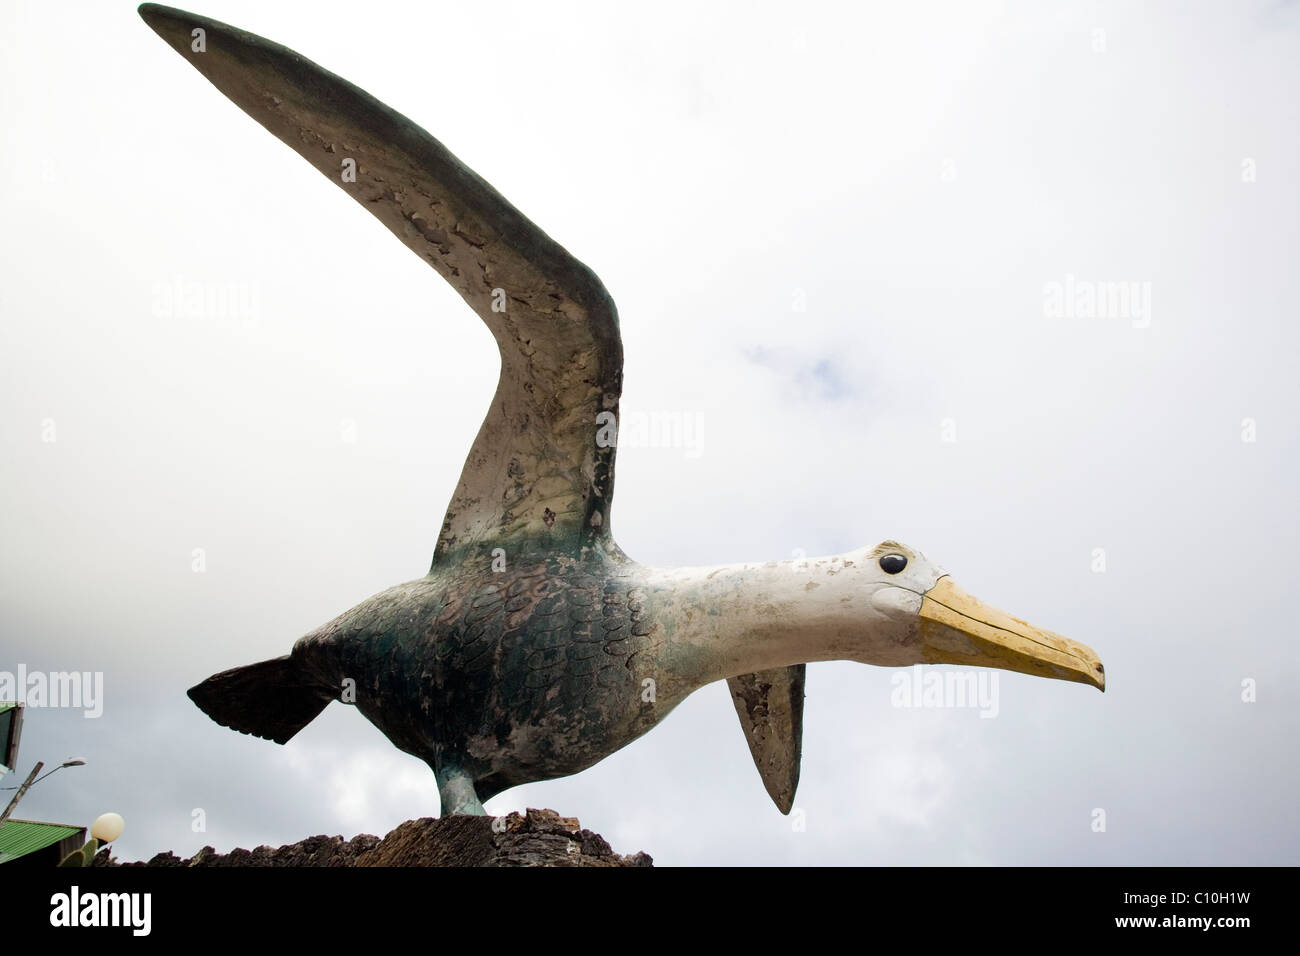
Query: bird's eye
(893, 563)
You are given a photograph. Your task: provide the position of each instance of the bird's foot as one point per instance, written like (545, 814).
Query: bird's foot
(456, 790)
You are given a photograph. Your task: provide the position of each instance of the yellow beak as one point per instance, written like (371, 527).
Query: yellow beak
(958, 628)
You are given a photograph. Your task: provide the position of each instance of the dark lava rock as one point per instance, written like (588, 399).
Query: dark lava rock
(535, 838)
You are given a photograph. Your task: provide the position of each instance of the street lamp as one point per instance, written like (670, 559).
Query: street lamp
(107, 827)
(32, 778)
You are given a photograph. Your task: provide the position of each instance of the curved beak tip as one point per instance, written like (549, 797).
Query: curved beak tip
(958, 628)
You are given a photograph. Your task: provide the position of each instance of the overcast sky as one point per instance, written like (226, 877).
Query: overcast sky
(839, 236)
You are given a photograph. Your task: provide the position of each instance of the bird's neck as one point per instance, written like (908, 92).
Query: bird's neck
(722, 621)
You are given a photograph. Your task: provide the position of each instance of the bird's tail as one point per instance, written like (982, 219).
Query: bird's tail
(273, 699)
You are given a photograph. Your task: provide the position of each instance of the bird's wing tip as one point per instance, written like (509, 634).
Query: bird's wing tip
(169, 23)
(151, 12)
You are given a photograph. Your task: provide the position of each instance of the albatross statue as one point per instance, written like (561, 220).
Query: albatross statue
(535, 647)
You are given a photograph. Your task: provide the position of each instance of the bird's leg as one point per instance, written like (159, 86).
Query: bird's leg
(456, 790)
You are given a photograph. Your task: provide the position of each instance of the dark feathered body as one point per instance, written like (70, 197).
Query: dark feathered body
(527, 673)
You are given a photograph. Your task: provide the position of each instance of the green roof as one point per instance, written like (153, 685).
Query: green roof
(20, 837)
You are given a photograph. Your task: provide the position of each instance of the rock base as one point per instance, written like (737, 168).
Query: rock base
(535, 838)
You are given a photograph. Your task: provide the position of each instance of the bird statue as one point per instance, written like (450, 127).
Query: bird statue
(534, 647)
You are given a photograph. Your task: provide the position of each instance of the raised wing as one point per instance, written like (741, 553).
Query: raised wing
(537, 474)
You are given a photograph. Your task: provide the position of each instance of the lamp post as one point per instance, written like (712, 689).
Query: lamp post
(32, 778)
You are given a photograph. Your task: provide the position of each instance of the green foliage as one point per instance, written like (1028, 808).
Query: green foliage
(83, 857)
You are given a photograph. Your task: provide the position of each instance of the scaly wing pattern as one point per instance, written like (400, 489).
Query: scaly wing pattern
(537, 473)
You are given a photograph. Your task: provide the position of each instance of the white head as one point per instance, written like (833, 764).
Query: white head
(887, 605)
(913, 613)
